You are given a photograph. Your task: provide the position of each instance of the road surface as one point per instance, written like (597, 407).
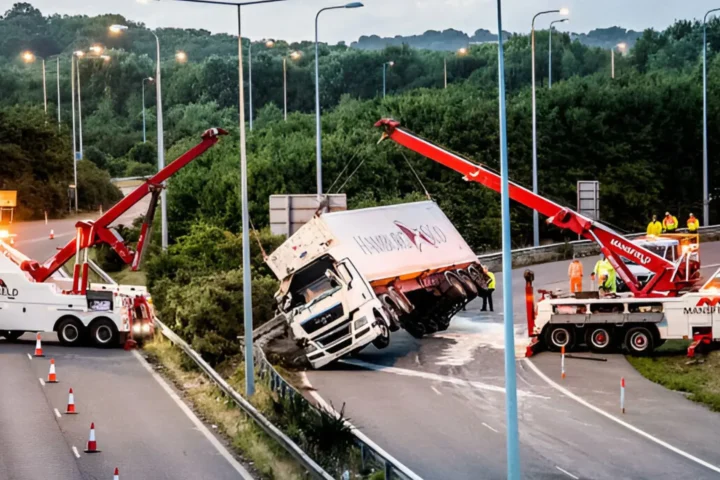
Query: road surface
(438, 404)
(140, 427)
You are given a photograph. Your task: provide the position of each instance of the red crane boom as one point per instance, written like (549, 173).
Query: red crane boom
(90, 233)
(668, 279)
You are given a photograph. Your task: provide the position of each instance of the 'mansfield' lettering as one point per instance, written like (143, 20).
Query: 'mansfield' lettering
(642, 258)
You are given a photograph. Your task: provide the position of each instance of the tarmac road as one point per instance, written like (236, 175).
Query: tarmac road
(438, 406)
(140, 427)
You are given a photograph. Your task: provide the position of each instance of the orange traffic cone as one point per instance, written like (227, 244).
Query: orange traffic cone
(71, 404)
(38, 346)
(52, 234)
(92, 444)
(116, 476)
(52, 378)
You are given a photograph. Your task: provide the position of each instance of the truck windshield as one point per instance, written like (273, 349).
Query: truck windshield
(310, 283)
(659, 250)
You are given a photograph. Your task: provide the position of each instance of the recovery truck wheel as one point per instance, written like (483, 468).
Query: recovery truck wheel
(558, 336)
(600, 339)
(70, 331)
(11, 335)
(384, 339)
(639, 341)
(103, 333)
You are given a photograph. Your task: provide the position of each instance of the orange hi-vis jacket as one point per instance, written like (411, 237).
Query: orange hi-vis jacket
(575, 270)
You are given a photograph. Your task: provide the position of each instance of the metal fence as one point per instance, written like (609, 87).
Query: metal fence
(371, 455)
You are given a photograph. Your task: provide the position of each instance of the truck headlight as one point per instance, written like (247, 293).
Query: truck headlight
(360, 322)
(137, 328)
(146, 328)
(310, 348)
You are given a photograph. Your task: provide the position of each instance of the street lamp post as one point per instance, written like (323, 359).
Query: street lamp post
(445, 71)
(318, 127)
(385, 65)
(79, 55)
(706, 187)
(536, 219)
(511, 416)
(622, 47)
(74, 143)
(550, 50)
(149, 79)
(250, 108)
(160, 132)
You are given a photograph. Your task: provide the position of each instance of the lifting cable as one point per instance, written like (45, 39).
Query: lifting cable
(257, 237)
(351, 175)
(427, 194)
(343, 170)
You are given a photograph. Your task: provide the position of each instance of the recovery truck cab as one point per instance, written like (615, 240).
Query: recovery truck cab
(107, 317)
(668, 246)
(350, 278)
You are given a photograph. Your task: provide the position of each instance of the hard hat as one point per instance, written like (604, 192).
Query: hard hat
(667, 214)
(692, 215)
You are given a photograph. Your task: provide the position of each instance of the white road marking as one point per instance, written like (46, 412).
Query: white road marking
(29, 357)
(57, 413)
(75, 451)
(567, 473)
(642, 433)
(42, 382)
(437, 378)
(435, 390)
(408, 473)
(489, 427)
(715, 265)
(194, 419)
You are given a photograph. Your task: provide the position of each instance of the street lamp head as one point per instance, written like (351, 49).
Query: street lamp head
(391, 63)
(28, 57)
(622, 45)
(97, 49)
(354, 5)
(181, 56)
(150, 79)
(295, 55)
(118, 28)
(79, 53)
(462, 51)
(105, 57)
(270, 44)
(565, 11)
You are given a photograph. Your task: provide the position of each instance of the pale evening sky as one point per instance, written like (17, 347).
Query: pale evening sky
(294, 19)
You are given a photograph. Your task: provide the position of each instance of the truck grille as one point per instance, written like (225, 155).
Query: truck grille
(340, 346)
(328, 316)
(334, 335)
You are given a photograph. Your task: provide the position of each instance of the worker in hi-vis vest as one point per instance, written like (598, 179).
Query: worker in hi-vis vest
(487, 299)
(670, 223)
(693, 224)
(575, 273)
(605, 274)
(654, 227)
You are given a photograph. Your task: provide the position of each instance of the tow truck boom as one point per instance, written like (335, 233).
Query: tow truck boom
(90, 233)
(669, 278)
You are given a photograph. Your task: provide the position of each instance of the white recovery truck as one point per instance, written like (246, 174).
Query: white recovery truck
(350, 278)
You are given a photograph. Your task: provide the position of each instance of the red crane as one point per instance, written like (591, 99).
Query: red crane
(669, 278)
(90, 233)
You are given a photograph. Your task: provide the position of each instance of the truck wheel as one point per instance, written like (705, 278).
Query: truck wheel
(11, 335)
(559, 336)
(384, 339)
(470, 287)
(399, 300)
(417, 330)
(455, 288)
(103, 333)
(600, 339)
(639, 341)
(70, 331)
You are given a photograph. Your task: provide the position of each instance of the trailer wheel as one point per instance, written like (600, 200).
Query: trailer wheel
(103, 333)
(600, 339)
(11, 335)
(639, 341)
(70, 331)
(470, 288)
(559, 336)
(415, 329)
(455, 288)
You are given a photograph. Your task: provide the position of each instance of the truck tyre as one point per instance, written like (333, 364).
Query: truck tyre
(11, 335)
(455, 288)
(415, 329)
(600, 339)
(470, 288)
(559, 336)
(70, 331)
(400, 300)
(639, 341)
(384, 339)
(103, 333)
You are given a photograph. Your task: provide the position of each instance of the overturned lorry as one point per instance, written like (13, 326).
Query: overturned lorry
(350, 278)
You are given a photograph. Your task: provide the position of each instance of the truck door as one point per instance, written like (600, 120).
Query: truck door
(358, 289)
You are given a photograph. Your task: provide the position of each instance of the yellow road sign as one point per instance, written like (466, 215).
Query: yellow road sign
(8, 198)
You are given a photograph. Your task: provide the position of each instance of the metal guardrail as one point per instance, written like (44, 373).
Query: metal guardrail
(127, 179)
(292, 448)
(555, 246)
(370, 455)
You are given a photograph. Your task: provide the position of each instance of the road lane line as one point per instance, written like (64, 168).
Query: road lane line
(435, 390)
(642, 433)
(42, 382)
(489, 427)
(567, 473)
(436, 377)
(57, 413)
(75, 451)
(29, 357)
(327, 407)
(194, 419)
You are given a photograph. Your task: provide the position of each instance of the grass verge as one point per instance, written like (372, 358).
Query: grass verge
(699, 377)
(267, 458)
